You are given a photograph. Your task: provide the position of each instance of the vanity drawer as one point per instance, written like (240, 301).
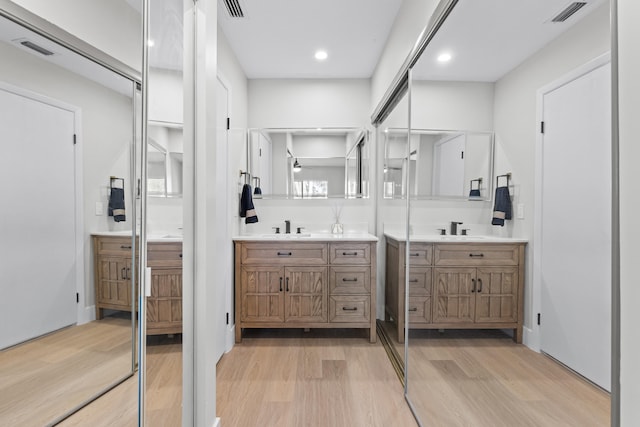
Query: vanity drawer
(419, 310)
(349, 309)
(420, 254)
(349, 280)
(419, 281)
(350, 253)
(164, 254)
(476, 254)
(108, 245)
(284, 253)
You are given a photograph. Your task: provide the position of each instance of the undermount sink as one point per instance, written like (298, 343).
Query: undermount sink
(172, 236)
(461, 237)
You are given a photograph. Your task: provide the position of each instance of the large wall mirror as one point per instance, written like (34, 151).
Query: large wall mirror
(309, 163)
(453, 164)
(164, 159)
(68, 128)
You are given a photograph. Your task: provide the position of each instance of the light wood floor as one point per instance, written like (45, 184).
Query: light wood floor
(483, 378)
(50, 375)
(291, 378)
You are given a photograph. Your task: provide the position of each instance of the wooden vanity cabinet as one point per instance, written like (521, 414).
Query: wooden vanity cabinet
(164, 306)
(304, 285)
(112, 273)
(469, 286)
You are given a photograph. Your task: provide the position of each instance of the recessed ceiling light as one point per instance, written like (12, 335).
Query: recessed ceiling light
(444, 57)
(321, 55)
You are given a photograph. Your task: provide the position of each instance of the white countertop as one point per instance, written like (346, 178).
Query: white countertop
(454, 239)
(308, 237)
(152, 237)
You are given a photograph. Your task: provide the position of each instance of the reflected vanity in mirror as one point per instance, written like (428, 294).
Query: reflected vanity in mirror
(309, 163)
(69, 113)
(164, 159)
(441, 164)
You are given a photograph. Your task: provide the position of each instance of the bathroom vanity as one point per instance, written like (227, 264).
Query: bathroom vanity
(314, 281)
(455, 282)
(113, 279)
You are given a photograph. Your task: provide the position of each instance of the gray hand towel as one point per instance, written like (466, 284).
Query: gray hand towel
(502, 206)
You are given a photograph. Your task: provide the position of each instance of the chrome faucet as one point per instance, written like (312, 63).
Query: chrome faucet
(454, 227)
(287, 226)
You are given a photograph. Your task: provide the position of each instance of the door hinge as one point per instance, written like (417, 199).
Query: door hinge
(227, 318)
(462, 154)
(228, 123)
(77, 298)
(260, 152)
(75, 139)
(538, 318)
(541, 127)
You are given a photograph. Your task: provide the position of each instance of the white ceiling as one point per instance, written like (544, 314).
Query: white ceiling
(278, 38)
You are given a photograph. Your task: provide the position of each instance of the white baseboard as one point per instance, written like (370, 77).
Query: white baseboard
(230, 339)
(87, 315)
(531, 338)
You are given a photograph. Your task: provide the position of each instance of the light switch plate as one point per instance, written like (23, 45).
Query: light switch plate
(520, 211)
(99, 208)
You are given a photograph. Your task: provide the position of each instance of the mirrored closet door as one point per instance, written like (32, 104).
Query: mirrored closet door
(68, 243)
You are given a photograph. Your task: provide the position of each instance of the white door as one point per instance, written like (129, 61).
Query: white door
(224, 281)
(449, 166)
(575, 261)
(37, 218)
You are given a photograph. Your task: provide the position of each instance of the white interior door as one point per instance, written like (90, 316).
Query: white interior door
(575, 260)
(224, 283)
(37, 218)
(449, 166)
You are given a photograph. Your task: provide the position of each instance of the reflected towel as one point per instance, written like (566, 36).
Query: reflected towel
(247, 210)
(502, 206)
(474, 193)
(116, 204)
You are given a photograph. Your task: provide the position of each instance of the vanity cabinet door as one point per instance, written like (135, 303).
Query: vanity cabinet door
(164, 306)
(306, 294)
(113, 290)
(454, 294)
(262, 294)
(497, 294)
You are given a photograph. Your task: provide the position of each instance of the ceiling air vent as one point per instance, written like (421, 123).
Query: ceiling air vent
(569, 11)
(234, 9)
(31, 45)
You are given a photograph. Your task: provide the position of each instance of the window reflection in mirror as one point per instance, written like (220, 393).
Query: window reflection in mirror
(309, 163)
(164, 159)
(443, 164)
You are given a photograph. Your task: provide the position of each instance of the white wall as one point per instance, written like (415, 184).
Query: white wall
(106, 136)
(112, 26)
(515, 118)
(629, 103)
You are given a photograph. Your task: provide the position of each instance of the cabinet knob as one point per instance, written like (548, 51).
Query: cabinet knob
(180, 255)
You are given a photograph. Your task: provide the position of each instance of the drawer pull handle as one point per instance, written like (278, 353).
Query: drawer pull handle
(344, 279)
(350, 308)
(413, 280)
(414, 254)
(287, 281)
(413, 309)
(476, 255)
(125, 247)
(350, 253)
(473, 289)
(284, 253)
(123, 273)
(479, 285)
(281, 284)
